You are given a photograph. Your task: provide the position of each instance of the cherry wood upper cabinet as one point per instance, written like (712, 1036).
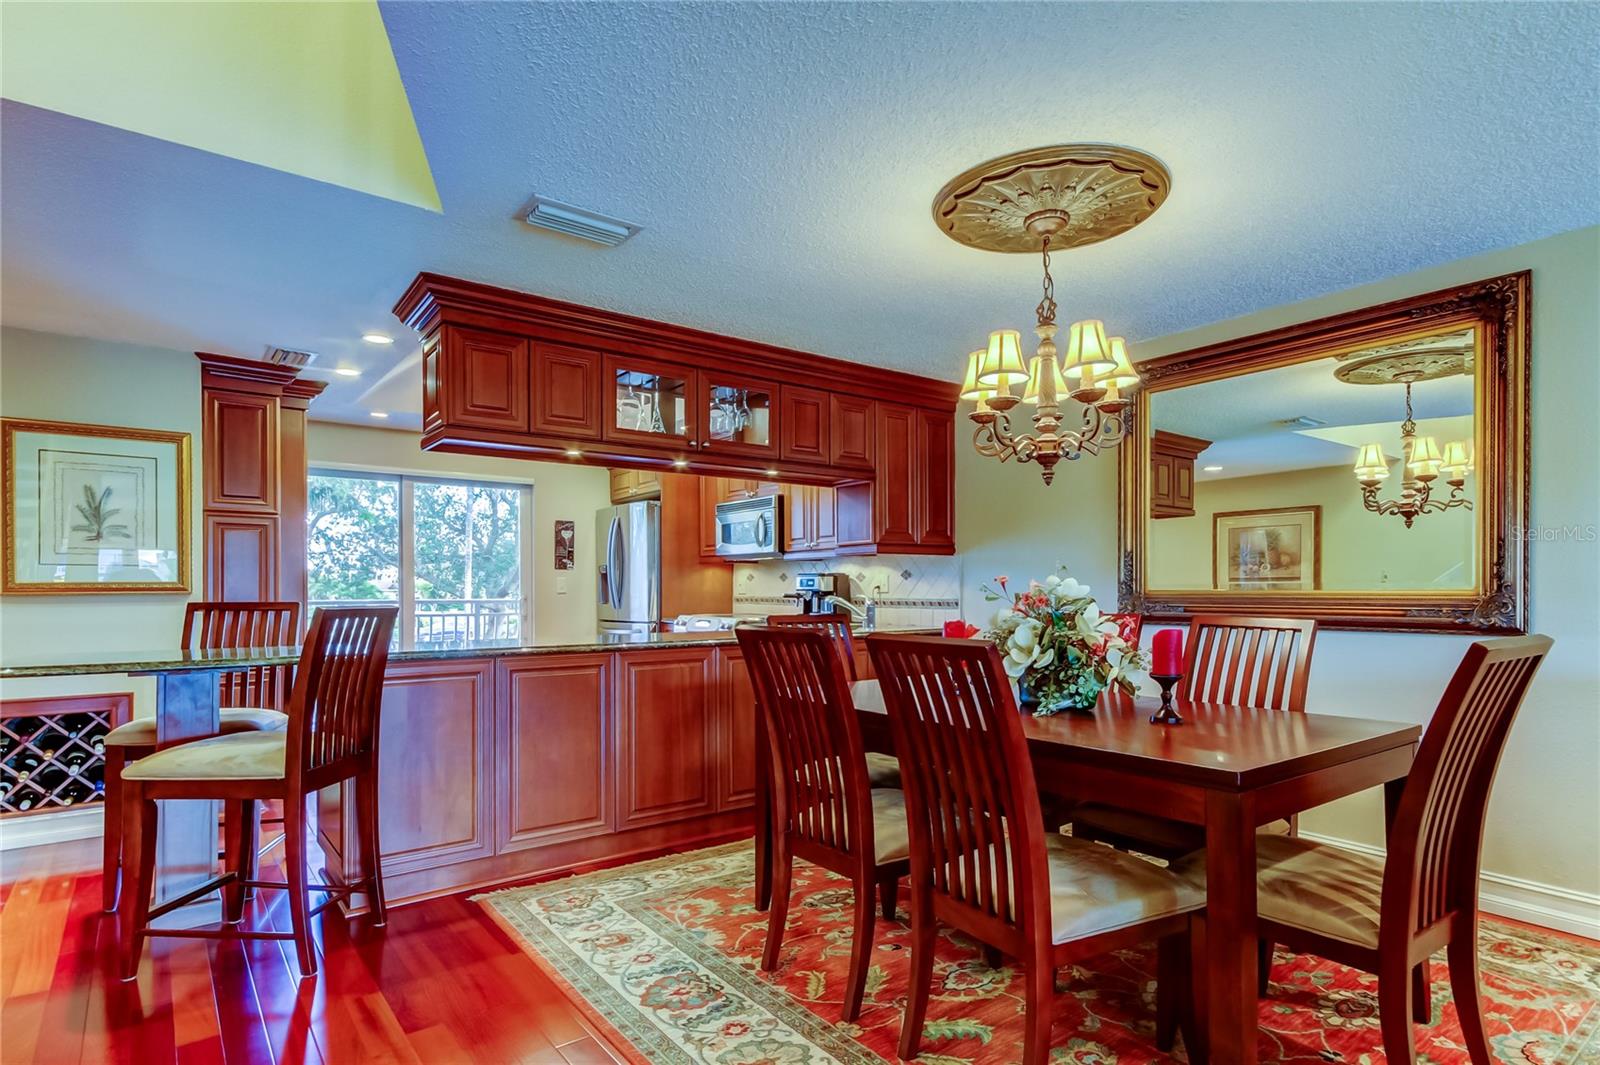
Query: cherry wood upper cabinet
(894, 506)
(738, 415)
(241, 451)
(485, 382)
(819, 425)
(852, 429)
(566, 391)
(935, 512)
(651, 402)
(804, 424)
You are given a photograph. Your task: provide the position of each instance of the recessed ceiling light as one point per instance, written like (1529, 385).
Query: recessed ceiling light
(377, 338)
(1211, 469)
(347, 371)
(379, 414)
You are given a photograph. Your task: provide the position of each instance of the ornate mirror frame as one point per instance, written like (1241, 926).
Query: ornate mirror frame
(1499, 308)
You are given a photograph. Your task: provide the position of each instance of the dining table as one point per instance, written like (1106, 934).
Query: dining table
(1228, 769)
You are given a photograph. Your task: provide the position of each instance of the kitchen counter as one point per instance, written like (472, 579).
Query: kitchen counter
(92, 663)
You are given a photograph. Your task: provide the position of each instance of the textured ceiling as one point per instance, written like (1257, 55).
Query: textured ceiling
(783, 157)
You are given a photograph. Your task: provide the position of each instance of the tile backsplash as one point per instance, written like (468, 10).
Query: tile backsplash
(913, 591)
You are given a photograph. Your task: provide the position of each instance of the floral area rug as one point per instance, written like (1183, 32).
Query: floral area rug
(665, 954)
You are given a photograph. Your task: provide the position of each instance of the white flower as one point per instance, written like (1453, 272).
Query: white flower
(1026, 637)
(1052, 580)
(1071, 589)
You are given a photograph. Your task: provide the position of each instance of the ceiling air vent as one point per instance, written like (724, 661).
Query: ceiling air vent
(577, 222)
(291, 357)
(1302, 422)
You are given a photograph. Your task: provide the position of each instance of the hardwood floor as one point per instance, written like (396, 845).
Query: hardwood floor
(441, 984)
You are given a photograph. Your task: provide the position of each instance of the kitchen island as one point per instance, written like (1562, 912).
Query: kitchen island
(503, 760)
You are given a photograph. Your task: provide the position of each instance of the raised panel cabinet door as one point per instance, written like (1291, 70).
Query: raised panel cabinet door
(241, 451)
(824, 518)
(435, 765)
(432, 412)
(241, 558)
(1183, 485)
(798, 519)
(894, 489)
(665, 736)
(553, 734)
(566, 391)
(936, 479)
(1161, 486)
(736, 752)
(804, 425)
(852, 428)
(485, 380)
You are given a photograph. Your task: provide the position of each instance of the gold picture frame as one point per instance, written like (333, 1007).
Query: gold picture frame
(1497, 309)
(94, 509)
(1267, 554)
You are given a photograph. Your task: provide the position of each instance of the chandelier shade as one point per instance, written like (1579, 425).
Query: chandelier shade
(970, 388)
(1001, 366)
(1088, 351)
(1457, 459)
(1122, 374)
(1424, 461)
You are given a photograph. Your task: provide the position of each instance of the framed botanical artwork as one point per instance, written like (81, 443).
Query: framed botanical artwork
(1267, 550)
(94, 509)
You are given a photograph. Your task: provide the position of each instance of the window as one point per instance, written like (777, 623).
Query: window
(451, 554)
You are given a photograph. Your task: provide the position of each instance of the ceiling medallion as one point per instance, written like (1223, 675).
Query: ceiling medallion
(1100, 190)
(1044, 200)
(1421, 359)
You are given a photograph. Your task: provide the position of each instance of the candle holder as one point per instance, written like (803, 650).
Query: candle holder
(1168, 714)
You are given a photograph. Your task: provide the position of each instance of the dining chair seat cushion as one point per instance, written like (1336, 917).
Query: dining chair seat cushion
(883, 771)
(1095, 888)
(1327, 890)
(1168, 837)
(141, 731)
(241, 756)
(891, 836)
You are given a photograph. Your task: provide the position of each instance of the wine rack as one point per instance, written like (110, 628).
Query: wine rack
(52, 751)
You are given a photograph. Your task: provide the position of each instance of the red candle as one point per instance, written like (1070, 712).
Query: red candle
(1166, 653)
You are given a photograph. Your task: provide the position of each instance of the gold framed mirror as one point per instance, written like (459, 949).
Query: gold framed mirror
(1368, 470)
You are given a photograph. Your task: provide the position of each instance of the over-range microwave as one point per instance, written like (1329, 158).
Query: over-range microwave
(750, 528)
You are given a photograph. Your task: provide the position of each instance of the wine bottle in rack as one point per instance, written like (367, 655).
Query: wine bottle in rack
(26, 765)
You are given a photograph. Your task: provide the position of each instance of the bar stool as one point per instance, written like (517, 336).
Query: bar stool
(332, 737)
(251, 701)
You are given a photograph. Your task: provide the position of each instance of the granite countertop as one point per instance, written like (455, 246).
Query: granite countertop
(171, 660)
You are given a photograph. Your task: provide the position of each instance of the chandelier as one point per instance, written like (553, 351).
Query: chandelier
(1423, 463)
(1041, 200)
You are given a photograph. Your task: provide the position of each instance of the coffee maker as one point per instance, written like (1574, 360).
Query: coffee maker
(813, 590)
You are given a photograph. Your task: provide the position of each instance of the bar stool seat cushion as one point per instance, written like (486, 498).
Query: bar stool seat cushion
(141, 731)
(1333, 892)
(241, 756)
(1169, 837)
(883, 771)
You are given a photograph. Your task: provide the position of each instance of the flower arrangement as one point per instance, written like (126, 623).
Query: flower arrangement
(1058, 648)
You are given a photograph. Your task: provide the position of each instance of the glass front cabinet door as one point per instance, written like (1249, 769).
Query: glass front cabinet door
(738, 414)
(647, 401)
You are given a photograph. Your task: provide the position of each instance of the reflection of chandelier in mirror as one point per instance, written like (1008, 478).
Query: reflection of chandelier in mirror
(1422, 465)
(1038, 200)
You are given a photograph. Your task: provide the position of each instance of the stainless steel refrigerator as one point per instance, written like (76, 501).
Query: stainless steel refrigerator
(628, 579)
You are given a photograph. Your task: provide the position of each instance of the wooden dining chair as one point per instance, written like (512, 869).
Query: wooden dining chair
(251, 700)
(332, 736)
(980, 858)
(823, 808)
(1390, 915)
(1263, 663)
(883, 770)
